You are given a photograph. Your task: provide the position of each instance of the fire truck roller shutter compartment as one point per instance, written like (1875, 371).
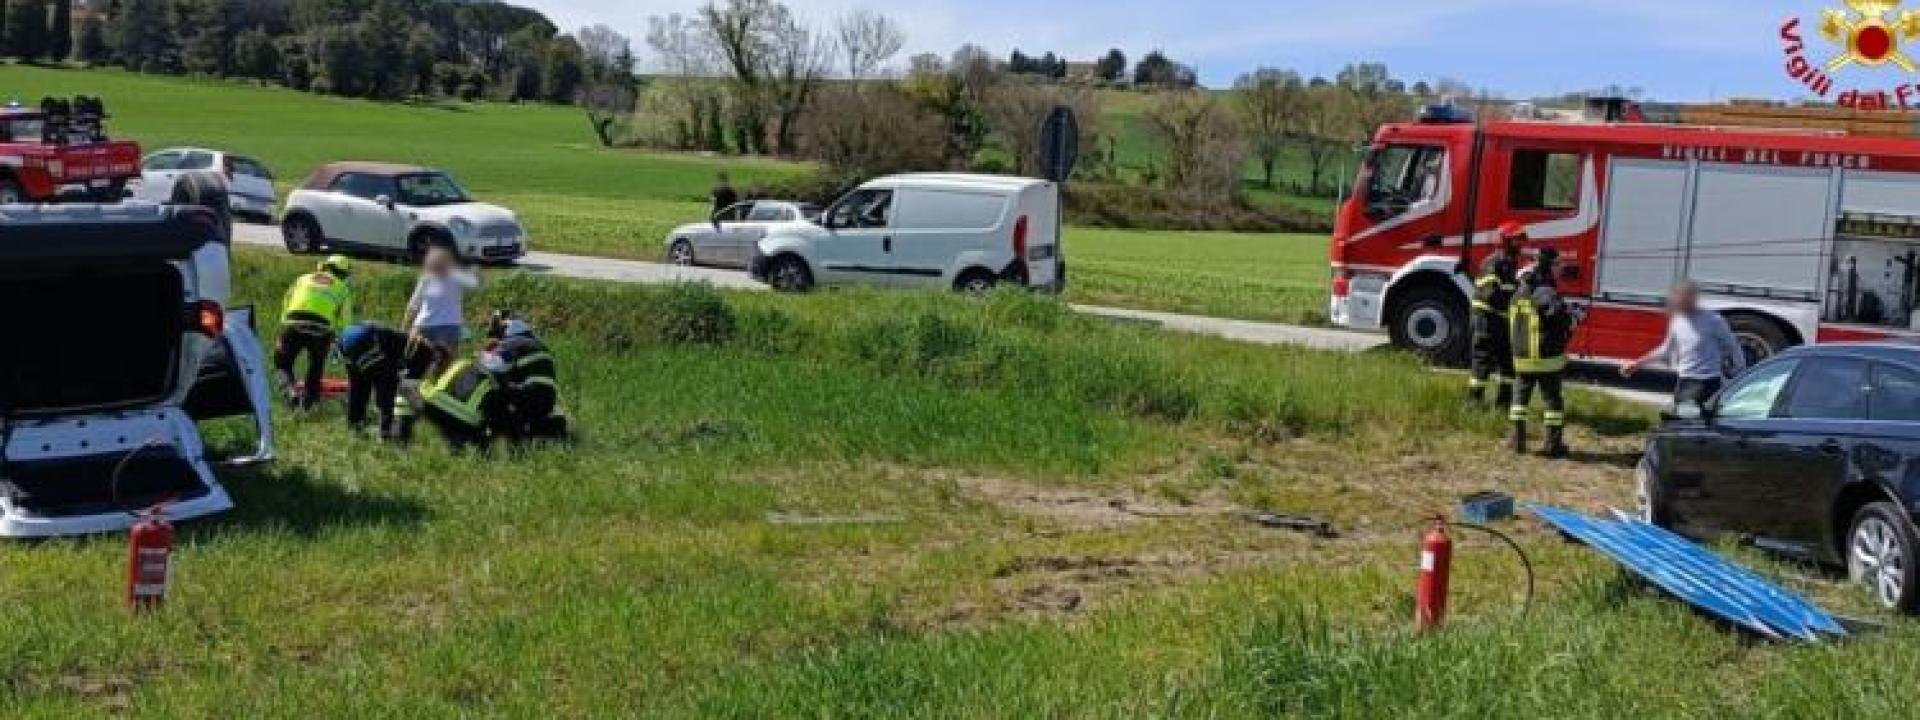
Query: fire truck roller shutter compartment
(1873, 273)
(1760, 231)
(1645, 228)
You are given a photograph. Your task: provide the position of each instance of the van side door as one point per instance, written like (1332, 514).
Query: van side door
(941, 233)
(859, 243)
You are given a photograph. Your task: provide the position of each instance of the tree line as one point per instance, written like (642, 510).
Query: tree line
(379, 49)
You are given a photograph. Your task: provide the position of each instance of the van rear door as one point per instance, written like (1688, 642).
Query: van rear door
(1040, 204)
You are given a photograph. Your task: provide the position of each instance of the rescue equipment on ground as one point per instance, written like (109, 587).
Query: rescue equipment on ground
(1430, 597)
(149, 559)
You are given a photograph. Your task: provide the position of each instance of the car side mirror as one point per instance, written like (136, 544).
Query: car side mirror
(385, 201)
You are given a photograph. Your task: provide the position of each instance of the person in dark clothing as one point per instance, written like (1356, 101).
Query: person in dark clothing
(724, 196)
(525, 374)
(1493, 291)
(1541, 329)
(377, 359)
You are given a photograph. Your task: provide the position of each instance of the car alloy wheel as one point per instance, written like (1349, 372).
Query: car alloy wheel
(977, 285)
(1877, 560)
(681, 253)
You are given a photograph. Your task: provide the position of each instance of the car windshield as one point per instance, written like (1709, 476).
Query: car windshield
(428, 189)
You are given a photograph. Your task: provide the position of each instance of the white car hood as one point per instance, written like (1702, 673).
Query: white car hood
(480, 214)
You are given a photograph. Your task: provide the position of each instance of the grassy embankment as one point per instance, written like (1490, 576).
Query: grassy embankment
(854, 504)
(577, 198)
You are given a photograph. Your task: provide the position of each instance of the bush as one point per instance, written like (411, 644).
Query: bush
(689, 314)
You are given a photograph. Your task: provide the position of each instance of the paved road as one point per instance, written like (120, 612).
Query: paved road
(635, 271)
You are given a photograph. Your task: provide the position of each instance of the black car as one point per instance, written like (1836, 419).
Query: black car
(1815, 454)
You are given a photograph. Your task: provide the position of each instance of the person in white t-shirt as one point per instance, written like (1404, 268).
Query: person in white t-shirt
(436, 314)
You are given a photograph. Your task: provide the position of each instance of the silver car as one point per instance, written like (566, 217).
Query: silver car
(729, 237)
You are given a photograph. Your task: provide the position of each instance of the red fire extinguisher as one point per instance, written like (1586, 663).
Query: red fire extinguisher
(1430, 598)
(149, 560)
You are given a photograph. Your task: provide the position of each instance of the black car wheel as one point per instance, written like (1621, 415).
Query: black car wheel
(975, 282)
(10, 193)
(301, 234)
(1432, 323)
(1880, 556)
(790, 274)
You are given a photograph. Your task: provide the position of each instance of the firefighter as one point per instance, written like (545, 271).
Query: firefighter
(524, 372)
(1541, 326)
(318, 305)
(1492, 294)
(465, 405)
(377, 359)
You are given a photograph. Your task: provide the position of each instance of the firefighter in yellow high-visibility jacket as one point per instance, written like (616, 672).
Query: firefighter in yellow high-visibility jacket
(1493, 293)
(317, 306)
(1541, 327)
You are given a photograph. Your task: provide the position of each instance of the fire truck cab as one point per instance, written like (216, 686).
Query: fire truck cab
(60, 150)
(1794, 236)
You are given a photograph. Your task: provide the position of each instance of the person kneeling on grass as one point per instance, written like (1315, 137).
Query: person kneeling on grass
(465, 406)
(377, 359)
(525, 375)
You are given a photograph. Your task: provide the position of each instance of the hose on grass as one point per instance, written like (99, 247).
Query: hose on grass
(1526, 563)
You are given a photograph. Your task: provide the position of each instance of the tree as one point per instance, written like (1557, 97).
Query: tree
(564, 70)
(873, 131)
(1319, 130)
(798, 61)
(423, 54)
(1015, 111)
(60, 31)
(92, 46)
(1269, 101)
(255, 55)
(609, 54)
(1203, 146)
(26, 29)
(686, 59)
(1155, 69)
(738, 30)
(383, 37)
(608, 101)
(866, 40)
(340, 62)
(207, 48)
(1112, 66)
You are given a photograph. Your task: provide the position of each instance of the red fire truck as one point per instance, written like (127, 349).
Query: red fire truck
(60, 150)
(1795, 236)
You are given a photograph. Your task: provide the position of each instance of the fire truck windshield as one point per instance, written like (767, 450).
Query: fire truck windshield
(1400, 177)
(26, 129)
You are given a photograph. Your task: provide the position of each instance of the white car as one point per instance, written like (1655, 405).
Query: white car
(136, 344)
(959, 231)
(729, 237)
(249, 184)
(402, 210)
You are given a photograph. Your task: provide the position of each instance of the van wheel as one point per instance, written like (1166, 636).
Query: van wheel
(1880, 556)
(975, 282)
(681, 253)
(789, 274)
(301, 234)
(10, 192)
(1759, 336)
(1432, 323)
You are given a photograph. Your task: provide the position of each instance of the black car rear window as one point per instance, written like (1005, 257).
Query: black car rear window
(1828, 389)
(1895, 396)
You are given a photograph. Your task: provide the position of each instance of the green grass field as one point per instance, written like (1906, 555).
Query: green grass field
(890, 505)
(579, 198)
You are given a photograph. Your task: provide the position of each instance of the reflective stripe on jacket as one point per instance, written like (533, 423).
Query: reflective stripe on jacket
(1541, 329)
(460, 392)
(1493, 290)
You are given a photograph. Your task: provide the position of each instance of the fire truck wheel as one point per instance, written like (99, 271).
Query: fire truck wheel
(10, 192)
(1433, 323)
(1761, 337)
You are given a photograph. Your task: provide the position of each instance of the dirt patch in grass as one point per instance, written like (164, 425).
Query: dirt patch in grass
(1087, 510)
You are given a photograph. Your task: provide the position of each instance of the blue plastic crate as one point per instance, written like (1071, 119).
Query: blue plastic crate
(1486, 507)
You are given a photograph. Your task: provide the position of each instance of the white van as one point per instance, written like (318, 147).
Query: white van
(959, 231)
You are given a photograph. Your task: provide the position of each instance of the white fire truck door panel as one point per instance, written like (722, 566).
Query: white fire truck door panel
(1760, 229)
(1640, 244)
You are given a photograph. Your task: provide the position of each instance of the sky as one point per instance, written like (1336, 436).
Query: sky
(1676, 50)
